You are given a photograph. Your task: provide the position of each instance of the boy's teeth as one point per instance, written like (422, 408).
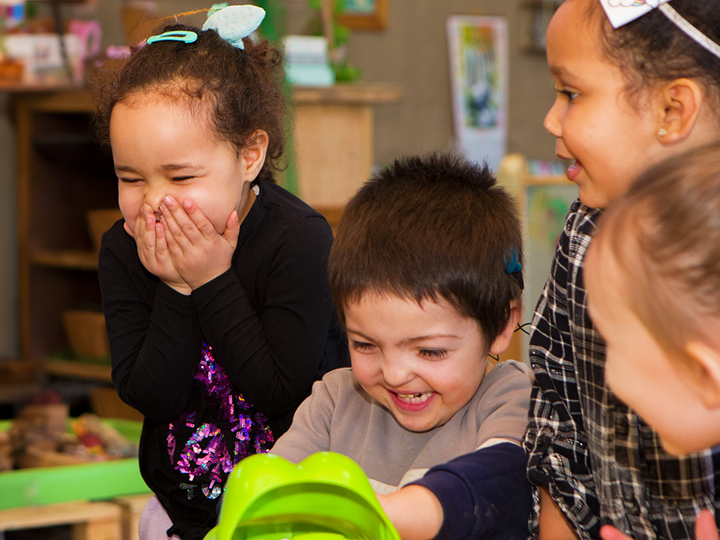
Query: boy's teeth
(414, 398)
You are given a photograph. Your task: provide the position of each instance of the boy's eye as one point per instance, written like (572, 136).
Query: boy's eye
(433, 353)
(362, 346)
(182, 178)
(129, 180)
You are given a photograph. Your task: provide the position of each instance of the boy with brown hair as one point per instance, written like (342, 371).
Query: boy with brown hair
(426, 276)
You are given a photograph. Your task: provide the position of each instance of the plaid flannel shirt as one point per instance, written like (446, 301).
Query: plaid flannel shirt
(599, 461)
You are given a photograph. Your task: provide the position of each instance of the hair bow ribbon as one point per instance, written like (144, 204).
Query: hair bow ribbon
(233, 23)
(621, 12)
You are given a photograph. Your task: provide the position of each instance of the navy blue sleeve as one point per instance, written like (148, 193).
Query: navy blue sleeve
(484, 494)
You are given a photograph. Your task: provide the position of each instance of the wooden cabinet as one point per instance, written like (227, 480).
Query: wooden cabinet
(61, 174)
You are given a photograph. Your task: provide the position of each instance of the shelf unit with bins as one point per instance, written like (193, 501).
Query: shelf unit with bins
(61, 174)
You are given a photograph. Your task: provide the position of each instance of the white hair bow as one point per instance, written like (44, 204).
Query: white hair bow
(621, 12)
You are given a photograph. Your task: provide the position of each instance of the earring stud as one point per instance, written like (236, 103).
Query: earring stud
(662, 132)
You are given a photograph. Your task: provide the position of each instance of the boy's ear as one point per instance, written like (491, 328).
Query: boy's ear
(681, 101)
(503, 339)
(253, 155)
(703, 374)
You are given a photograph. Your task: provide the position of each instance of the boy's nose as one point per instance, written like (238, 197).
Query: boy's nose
(396, 372)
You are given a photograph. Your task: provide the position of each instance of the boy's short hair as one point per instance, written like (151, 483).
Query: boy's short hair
(430, 227)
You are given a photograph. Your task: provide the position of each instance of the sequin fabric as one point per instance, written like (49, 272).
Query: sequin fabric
(212, 451)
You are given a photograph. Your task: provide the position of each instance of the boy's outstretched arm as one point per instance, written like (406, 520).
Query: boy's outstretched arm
(484, 494)
(415, 512)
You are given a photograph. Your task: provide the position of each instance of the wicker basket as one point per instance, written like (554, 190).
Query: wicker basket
(86, 333)
(99, 221)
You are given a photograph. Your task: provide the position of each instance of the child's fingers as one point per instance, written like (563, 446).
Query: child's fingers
(608, 532)
(179, 223)
(162, 249)
(232, 229)
(705, 527)
(145, 233)
(174, 236)
(137, 228)
(201, 222)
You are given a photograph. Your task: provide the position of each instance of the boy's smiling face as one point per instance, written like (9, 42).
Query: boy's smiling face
(423, 362)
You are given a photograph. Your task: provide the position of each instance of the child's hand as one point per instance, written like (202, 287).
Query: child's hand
(153, 251)
(198, 252)
(414, 511)
(705, 529)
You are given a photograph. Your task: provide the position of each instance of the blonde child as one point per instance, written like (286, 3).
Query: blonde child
(654, 294)
(627, 97)
(426, 276)
(214, 284)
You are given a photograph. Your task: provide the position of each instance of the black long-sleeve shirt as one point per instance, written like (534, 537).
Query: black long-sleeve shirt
(269, 321)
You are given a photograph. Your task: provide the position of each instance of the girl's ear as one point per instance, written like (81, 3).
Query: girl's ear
(502, 341)
(681, 101)
(703, 374)
(253, 155)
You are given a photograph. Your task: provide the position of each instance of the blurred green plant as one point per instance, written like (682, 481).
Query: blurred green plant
(344, 72)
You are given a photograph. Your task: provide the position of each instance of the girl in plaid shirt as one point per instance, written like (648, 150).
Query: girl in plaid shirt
(636, 82)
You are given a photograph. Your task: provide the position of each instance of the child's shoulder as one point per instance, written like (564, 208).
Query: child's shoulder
(278, 213)
(500, 407)
(117, 240)
(338, 379)
(276, 199)
(507, 376)
(342, 386)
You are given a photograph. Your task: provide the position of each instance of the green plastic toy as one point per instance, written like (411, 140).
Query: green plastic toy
(325, 497)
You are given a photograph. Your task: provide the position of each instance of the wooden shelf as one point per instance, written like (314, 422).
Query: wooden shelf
(17, 393)
(79, 370)
(71, 259)
(351, 93)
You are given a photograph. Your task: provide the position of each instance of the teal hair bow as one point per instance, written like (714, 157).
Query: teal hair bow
(233, 23)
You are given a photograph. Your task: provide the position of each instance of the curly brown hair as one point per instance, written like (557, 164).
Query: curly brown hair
(242, 86)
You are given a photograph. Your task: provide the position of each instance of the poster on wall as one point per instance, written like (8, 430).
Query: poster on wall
(478, 49)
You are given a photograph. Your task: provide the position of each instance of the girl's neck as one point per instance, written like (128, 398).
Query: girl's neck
(248, 201)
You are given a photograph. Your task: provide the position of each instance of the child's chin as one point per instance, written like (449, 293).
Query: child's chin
(679, 448)
(417, 425)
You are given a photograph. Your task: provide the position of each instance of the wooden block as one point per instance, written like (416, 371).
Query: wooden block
(107, 529)
(90, 520)
(131, 508)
